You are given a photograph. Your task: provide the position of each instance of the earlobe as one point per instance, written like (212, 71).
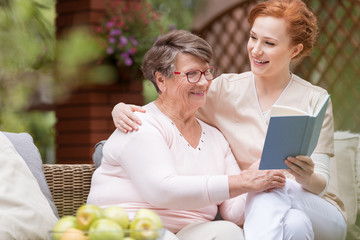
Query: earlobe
(160, 81)
(296, 50)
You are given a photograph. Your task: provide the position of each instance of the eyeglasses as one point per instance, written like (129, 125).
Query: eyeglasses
(195, 75)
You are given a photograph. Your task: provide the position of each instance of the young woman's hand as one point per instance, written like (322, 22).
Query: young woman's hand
(124, 118)
(301, 167)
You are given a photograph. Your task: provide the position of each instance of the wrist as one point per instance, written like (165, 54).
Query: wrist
(314, 184)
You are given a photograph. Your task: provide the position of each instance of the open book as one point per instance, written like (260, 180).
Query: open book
(293, 132)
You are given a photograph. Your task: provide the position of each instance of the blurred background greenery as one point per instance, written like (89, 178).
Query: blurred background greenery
(28, 50)
(29, 47)
(27, 37)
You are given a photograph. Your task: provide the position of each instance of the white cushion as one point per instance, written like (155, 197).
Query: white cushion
(25, 212)
(343, 173)
(357, 174)
(25, 147)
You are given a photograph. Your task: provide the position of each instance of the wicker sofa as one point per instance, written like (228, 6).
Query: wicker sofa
(69, 185)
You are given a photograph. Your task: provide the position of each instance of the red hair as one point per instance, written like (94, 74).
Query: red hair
(301, 21)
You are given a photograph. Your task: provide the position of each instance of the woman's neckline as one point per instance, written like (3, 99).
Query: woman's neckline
(264, 114)
(199, 142)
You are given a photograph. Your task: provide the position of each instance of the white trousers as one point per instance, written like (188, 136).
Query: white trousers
(292, 213)
(219, 230)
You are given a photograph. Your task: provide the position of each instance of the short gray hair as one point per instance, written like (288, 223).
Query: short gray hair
(161, 56)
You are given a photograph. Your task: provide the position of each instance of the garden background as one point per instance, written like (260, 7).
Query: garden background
(45, 57)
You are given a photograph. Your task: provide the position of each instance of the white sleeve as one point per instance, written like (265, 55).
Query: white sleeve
(322, 166)
(147, 160)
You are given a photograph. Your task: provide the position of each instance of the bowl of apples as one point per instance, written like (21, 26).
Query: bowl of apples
(112, 223)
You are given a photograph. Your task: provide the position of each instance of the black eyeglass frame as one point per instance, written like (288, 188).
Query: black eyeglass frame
(201, 73)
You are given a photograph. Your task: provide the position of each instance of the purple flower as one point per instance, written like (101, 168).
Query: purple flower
(172, 27)
(123, 40)
(133, 41)
(109, 24)
(112, 40)
(132, 51)
(128, 61)
(115, 32)
(109, 50)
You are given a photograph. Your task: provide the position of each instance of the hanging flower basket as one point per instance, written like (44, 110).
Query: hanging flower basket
(127, 32)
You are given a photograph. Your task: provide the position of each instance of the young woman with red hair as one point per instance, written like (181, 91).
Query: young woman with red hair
(282, 32)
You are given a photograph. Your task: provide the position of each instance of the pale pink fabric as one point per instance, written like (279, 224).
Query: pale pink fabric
(155, 168)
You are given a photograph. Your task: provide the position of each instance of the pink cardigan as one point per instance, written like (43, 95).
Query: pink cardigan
(156, 168)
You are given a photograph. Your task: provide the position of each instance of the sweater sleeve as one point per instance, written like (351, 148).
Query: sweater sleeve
(322, 166)
(146, 158)
(233, 209)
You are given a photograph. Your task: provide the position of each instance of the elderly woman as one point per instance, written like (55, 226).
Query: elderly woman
(176, 165)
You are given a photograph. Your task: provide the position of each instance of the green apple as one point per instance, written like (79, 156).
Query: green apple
(145, 225)
(129, 238)
(73, 234)
(143, 228)
(86, 215)
(105, 229)
(147, 213)
(117, 214)
(62, 225)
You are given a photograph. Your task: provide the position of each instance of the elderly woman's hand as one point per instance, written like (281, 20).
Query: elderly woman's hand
(252, 180)
(124, 118)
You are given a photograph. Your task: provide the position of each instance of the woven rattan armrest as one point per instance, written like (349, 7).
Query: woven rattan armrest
(69, 185)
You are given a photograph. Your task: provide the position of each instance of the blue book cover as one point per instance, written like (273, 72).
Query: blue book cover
(292, 135)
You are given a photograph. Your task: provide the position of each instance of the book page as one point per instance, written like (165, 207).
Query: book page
(278, 110)
(316, 101)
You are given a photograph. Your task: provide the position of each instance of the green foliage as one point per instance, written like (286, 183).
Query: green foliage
(339, 63)
(26, 30)
(149, 91)
(78, 52)
(27, 51)
(39, 124)
(177, 13)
